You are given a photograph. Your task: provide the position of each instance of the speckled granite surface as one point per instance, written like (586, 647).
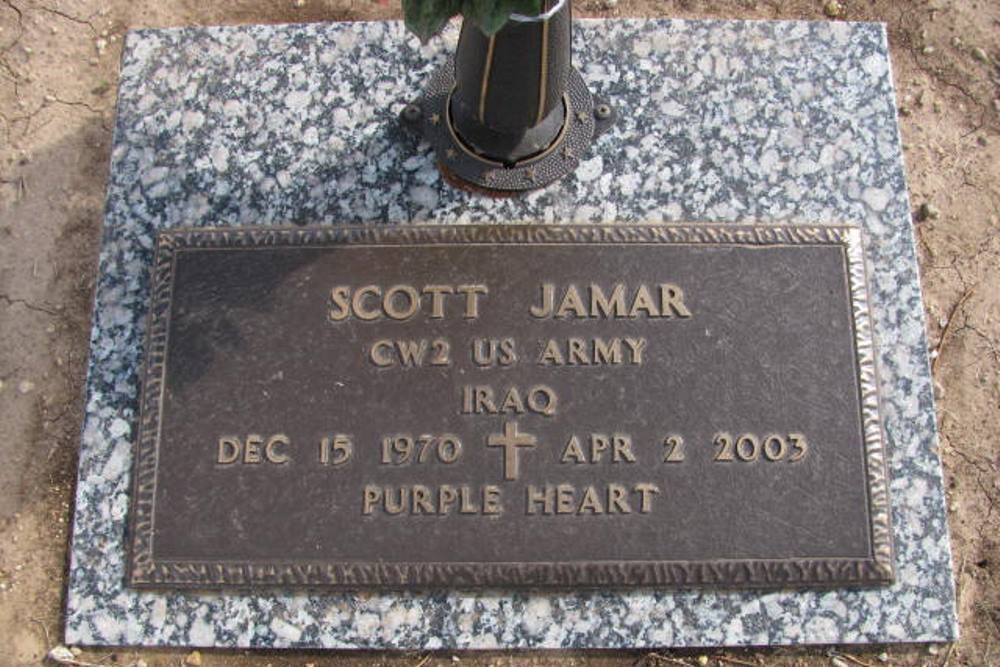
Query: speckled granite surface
(721, 121)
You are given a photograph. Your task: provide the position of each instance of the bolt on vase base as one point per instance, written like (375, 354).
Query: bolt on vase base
(585, 119)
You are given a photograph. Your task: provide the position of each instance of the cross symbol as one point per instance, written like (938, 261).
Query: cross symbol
(510, 440)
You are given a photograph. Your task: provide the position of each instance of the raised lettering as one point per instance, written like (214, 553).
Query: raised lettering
(548, 297)
(603, 306)
(271, 452)
(358, 303)
(422, 500)
(340, 296)
(565, 499)
(672, 299)
(607, 353)
(472, 294)
(412, 299)
(647, 491)
(438, 293)
(372, 496)
(229, 450)
(577, 351)
(572, 453)
(251, 452)
(591, 503)
(617, 499)
(544, 497)
(551, 354)
(379, 355)
(491, 500)
(643, 303)
(571, 303)
(636, 346)
(622, 449)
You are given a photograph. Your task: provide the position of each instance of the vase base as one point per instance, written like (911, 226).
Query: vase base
(429, 117)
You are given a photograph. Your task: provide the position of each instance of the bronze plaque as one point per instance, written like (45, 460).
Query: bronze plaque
(510, 406)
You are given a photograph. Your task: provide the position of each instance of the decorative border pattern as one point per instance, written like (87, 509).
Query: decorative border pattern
(146, 572)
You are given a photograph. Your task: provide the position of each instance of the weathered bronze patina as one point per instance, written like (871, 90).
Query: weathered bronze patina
(510, 406)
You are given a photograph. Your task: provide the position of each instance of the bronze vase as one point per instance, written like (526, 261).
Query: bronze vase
(509, 87)
(510, 112)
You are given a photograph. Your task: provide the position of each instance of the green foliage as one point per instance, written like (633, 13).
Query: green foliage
(426, 18)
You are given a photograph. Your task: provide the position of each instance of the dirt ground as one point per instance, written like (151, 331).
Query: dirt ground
(58, 72)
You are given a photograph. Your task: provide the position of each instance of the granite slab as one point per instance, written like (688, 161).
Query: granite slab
(296, 124)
